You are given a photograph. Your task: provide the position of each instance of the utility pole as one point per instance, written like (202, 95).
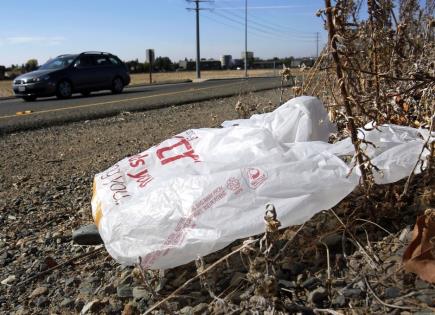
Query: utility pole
(246, 38)
(198, 53)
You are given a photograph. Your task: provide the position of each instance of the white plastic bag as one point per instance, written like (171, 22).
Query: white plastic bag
(202, 189)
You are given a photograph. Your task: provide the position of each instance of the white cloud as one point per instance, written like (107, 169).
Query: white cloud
(24, 40)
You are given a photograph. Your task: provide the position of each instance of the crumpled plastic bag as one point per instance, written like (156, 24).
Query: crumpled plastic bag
(197, 192)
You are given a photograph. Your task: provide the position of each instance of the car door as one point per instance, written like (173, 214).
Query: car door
(105, 71)
(84, 76)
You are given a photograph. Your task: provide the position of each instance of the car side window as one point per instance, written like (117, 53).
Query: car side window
(84, 62)
(114, 61)
(102, 61)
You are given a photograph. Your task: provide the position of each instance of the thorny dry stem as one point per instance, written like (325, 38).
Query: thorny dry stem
(367, 283)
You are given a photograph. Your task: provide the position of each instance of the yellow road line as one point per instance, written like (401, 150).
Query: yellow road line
(120, 101)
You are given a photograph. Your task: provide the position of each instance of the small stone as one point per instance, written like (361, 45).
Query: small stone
(109, 289)
(89, 307)
(420, 284)
(352, 292)
(124, 291)
(87, 235)
(317, 296)
(140, 293)
(339, 301)
(187, 310)
(287, 284)
(67, 303)
(129, 309)
(8, 280)
(200, 309)
(42, 301)
(38, 291)
(391, 293)
(310, 283)
(71, 281)
(427, 298)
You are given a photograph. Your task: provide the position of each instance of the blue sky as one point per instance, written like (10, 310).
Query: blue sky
(47, 28)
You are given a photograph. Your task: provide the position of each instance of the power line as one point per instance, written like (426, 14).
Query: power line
(269, 25)
(280, 36)
(264, 26)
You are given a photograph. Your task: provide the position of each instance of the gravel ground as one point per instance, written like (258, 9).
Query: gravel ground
(45, 191)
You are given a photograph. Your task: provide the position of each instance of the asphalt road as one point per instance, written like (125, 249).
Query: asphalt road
(15, 114)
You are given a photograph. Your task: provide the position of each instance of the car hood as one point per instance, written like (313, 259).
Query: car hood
(34, 74)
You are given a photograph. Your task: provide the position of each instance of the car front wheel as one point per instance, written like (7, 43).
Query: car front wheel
(64, 90)
(117, 85)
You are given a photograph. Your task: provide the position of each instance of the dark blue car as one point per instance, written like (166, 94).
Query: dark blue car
(67, 74)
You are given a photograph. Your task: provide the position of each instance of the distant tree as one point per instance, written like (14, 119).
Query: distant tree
(31, 64)
(163, 64)
(134, 66)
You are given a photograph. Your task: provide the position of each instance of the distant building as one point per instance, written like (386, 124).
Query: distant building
(226, 61)
(2, 72)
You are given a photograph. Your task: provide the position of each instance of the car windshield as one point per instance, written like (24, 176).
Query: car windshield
(58, 62)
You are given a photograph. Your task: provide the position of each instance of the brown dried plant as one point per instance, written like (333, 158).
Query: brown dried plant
(383, 62)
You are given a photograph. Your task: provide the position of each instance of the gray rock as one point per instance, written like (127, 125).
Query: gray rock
(90, 307)
(339, 301)
(124, 291)
(71, 281)
(140, 293)
(287, 284)
(427, 298)
(42, 301)
(317, 296)
(87, 235)
(187, 310)
(200, 309)
(420, 284)
(352, 292)
(311, 283)
(67, 303)
(391, 293)
(109, 289)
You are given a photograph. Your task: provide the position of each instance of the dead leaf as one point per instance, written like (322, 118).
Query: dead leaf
(419, 257)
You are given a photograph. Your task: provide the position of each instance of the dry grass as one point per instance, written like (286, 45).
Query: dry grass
(6, 90)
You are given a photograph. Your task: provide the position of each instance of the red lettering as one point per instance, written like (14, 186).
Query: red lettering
(190, 153)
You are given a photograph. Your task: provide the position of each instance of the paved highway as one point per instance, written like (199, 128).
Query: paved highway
(15, 114)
